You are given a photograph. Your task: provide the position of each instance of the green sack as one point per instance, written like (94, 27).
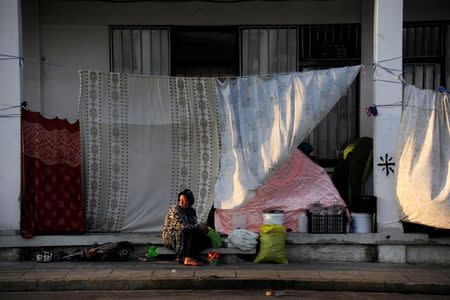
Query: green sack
(152, 252)
(216, 241)
(272, 240)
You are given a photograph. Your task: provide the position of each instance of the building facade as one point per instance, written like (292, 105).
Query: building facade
(223, 38)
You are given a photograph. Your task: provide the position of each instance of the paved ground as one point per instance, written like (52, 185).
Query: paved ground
(167, 275)
(217, 294)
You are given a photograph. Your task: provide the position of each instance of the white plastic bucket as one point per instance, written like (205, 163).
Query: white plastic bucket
(273, 218)
(362, 223)
(303, 223)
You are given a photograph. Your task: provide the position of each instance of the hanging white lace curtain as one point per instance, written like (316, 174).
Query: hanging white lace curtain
(423, 152)
(144, 139)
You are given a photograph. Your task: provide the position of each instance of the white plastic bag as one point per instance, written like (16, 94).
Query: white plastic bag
(243, 239)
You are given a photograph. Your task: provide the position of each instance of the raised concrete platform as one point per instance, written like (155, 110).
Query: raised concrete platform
(384, 247)
(85, 276)
(11, 239)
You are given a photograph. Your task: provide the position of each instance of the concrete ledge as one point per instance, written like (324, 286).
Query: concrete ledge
(331, 253)
(361, 238)
(13, 241)
(419, 254)
(392, 254)
(87, 239)
(375, 247)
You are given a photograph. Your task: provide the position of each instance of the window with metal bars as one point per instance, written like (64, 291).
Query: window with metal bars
(269, 50)
(425, 54)
(205, 51)
(326, 46)
(282, 49)
(140, 50)
(262, 50)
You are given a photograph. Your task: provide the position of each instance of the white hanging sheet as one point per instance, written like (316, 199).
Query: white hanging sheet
(262, 120)
(423, 152)
(144, 139)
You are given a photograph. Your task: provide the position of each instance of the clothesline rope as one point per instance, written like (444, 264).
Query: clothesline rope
(391, 71)
(77, 68)
(4, 56)
(10, 107)
(412, 106)
(10, 116)
(390, 59)
(376, 65)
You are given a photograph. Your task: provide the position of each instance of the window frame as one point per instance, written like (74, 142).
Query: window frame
(442, 59)
(111, 28)
(322, 63)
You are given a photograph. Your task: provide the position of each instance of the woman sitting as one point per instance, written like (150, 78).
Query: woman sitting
(181, 231)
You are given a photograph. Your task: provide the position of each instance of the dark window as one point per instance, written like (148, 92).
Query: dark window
(205, 51)
(330, 44)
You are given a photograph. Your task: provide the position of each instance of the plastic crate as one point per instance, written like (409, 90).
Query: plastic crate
(326, 223)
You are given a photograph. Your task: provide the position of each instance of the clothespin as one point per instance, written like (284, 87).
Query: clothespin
(24, 105)
(400, 77)
(443, 90)
(372, 111)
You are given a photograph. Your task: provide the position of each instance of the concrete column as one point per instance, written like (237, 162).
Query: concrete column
(387, 89)
(366, 75)
(10, 86)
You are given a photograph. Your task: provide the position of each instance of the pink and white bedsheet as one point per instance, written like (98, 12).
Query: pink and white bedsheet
(297, 184)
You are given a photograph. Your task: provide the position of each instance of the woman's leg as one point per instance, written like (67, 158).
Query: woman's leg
(200, 241)
(195, 242)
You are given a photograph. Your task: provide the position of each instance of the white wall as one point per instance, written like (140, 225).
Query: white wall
(65, 49)
(10, 85)
(75, 35)
(200, 13)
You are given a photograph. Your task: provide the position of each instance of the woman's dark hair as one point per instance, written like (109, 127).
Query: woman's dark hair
(189, 195)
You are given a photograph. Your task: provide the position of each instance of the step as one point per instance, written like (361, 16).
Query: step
(300, 247)
(223, 251)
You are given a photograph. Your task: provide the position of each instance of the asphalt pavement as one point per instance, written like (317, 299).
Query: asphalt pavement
(168, 275)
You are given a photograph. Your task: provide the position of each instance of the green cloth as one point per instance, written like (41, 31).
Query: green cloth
(152, 252)
(352, 170)
(216, 241)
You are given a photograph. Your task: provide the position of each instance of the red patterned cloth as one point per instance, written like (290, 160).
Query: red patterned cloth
(52, 200)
